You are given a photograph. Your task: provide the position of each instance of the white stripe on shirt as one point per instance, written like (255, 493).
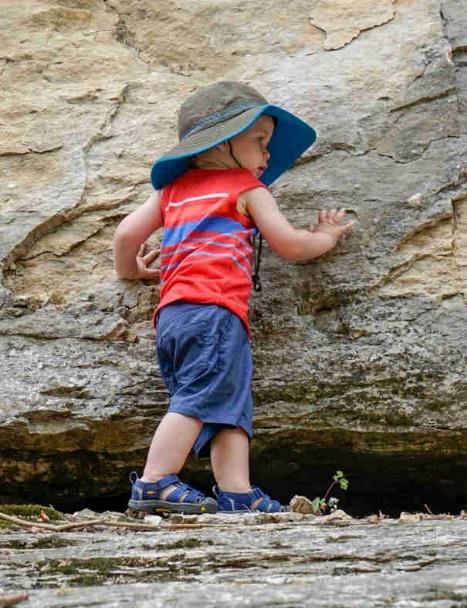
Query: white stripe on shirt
(198, 198)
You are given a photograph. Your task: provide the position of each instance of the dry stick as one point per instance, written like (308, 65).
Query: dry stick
(116, 524)
(12, 598)
(99, 522)
(26, 524)
(132, 526)
(75, 525)
(129, 525)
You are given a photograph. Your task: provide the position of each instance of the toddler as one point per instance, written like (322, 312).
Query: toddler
(211, 197)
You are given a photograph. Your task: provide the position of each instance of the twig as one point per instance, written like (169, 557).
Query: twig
(11, 599)
(107, 523)
(99, 522)
(76, 525)
(117, 524)
(428, 509)
(26, 524)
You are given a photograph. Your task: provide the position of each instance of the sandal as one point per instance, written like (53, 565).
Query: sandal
(183, 499)
(236, 502)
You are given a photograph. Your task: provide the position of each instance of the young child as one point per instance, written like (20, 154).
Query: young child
(211, 197)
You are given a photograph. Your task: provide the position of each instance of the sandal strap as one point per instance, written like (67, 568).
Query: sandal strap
(184, 493)
(155, 486)
(258, 493)
(168, 480)
(234, 501)
(267, 504)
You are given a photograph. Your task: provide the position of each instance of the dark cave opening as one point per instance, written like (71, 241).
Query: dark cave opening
(382, 483)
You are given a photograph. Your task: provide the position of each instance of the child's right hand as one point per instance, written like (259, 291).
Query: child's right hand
(329, 222)
(142, 263)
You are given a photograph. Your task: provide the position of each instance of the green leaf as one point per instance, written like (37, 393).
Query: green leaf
(318, 505)
(344, 484)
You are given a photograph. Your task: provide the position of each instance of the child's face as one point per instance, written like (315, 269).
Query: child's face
(250, 147)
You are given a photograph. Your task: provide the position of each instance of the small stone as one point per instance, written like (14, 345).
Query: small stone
(85, 514)
(415, 201)
(376, 518)
(155, 520)
(301, 504)
(373, 519)
(338, 515)
(409, 518)
(182, 518)
(135, 514)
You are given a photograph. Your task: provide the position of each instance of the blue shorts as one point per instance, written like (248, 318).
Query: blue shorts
(205, 360)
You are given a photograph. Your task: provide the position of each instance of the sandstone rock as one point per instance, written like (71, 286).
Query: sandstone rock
(358, 355)
(343, 21)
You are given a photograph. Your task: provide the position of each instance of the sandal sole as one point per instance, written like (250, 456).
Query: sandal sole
(255, 511)
(163, 506)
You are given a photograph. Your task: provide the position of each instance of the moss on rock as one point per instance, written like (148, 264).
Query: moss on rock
(29, 511)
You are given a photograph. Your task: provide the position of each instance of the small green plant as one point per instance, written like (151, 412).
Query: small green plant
(321, 505)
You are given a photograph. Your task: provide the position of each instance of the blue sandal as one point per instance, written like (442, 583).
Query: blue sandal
(183, 499)
(235, 502)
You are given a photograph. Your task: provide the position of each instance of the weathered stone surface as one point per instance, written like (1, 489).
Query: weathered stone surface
(359, 355)
(343, 21)
(245, 561)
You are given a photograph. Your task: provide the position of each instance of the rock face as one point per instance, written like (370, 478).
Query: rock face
(301, 562)
(359, 354)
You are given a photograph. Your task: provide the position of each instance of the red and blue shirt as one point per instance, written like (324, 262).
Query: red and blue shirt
(207, 252)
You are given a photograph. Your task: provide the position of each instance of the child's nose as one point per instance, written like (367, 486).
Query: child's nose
(267, 154)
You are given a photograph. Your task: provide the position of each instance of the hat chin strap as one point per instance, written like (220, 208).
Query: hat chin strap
(257, 252)
(233, 155)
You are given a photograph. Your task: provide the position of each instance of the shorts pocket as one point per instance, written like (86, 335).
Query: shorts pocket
(188, 354)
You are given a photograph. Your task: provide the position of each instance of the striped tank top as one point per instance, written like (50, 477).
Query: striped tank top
(206, 252)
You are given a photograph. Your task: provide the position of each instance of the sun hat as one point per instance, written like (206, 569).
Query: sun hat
(221, 111)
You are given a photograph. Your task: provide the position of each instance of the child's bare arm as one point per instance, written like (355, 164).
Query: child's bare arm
(290, 243)
(129, 241)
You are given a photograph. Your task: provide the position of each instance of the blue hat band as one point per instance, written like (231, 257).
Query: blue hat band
(221, 116)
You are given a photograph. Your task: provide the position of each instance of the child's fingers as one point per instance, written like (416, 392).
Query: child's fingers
(336, 216)
(151, 256)
(323, 215)
(347, 227)
(340, 214)
(142, 250)
(331, 215)
(150, 273)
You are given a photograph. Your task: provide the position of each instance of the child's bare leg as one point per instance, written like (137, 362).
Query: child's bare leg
(230, 460)
(170, 446)
(230, 450)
